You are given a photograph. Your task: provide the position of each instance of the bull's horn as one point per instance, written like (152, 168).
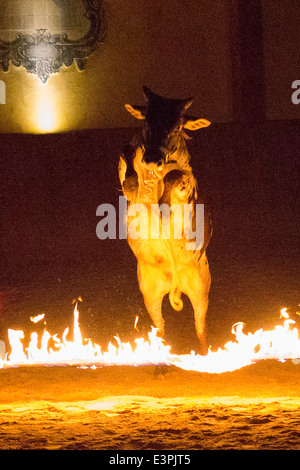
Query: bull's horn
(188, 102)
(147, 92)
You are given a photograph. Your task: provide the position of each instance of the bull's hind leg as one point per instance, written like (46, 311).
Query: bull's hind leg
(196, 285)
(153, 305)
(200, 306)
(153, 287)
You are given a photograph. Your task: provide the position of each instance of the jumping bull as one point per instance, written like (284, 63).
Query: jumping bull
(155, 172)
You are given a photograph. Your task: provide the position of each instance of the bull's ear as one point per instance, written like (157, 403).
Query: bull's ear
(193, 124)
(137, 111)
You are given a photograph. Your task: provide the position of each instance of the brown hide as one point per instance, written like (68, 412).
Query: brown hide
(164, 264)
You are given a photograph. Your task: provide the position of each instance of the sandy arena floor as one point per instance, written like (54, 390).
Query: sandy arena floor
(129, 408)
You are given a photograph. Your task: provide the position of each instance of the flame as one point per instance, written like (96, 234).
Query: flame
(281, 343)
(37, 318)
(284, 313)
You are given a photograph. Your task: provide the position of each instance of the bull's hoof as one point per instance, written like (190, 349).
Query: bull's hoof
(161, 370)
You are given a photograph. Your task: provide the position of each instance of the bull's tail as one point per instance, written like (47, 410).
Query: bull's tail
(175, 299)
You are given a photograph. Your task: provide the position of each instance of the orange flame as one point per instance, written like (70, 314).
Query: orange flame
(281, 343)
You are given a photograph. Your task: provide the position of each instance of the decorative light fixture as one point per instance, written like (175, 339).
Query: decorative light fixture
(43, 53)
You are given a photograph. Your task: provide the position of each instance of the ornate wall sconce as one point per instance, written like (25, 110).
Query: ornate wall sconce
(43, 53)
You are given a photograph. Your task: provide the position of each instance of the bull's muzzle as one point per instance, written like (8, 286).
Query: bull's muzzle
(153, 155)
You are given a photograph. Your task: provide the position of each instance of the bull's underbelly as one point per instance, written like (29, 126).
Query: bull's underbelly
(163, 252)
(160, 247)
(157, 267)
(153, 252)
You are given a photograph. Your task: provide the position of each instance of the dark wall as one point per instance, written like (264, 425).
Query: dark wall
(281, 38)
(51, 186)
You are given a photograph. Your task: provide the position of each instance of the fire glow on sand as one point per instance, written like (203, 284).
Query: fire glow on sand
(280, 343)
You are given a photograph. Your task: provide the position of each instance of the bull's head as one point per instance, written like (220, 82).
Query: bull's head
(164, 121)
